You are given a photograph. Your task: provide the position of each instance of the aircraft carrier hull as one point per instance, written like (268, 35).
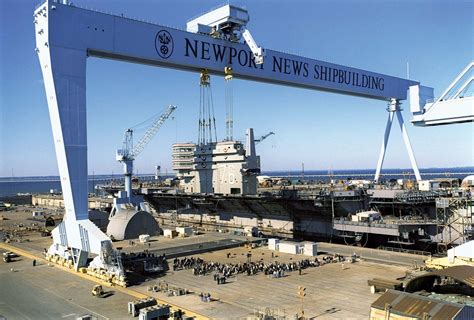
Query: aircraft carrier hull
(408, 218)
(289, 217)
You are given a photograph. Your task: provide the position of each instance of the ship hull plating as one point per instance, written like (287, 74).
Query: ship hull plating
(286, 217)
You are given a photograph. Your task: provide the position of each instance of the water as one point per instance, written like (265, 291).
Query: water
(10, 186)
(13, 185)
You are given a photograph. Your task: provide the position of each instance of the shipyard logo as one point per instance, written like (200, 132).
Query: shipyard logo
(164, 44)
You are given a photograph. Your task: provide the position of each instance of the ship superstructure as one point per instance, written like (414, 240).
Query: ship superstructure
(225, 168)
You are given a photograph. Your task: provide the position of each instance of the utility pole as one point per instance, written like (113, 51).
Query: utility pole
(387, 309)
(302, 294)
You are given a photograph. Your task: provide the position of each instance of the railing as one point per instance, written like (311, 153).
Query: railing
(409, 251)
(365, 224)
(384, 224)
(113, 14)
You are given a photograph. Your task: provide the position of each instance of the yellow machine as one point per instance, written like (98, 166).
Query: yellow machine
(98, 291)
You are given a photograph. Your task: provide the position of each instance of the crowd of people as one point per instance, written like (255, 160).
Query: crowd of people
(223, 271)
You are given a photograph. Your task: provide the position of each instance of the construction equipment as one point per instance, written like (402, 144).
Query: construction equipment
(63, 49)
(98, 291)
(129, 211)
(129, 152)
(229, 104)
(455, 105)
(263, 137)
(227, 22)
(207, 121)
(8, 256)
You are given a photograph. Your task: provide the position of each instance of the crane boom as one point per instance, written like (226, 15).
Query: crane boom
(151, 132)
(128, 153)
(264, 137)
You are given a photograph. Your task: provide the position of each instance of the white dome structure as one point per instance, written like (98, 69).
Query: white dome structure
(129, 224)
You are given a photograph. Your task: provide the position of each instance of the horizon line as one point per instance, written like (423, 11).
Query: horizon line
(278, 170)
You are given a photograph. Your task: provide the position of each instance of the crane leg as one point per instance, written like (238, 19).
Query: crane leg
(64, 74)
(384, 146)
(80, 258)
(403, 129)
(394, 108)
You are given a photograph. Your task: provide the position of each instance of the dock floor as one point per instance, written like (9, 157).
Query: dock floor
(45, 292)
(332, 293)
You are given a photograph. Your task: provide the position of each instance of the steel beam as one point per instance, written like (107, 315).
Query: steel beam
(406, 139)
(394, 108)
(384, 146)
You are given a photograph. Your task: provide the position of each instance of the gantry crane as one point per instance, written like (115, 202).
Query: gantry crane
(128, 153)
(211, 42)
(264, 137)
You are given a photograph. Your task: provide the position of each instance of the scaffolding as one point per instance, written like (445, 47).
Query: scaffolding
(454, 221)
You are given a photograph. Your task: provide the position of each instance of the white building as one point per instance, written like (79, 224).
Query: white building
(428, 185)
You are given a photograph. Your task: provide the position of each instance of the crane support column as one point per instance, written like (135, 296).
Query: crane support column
(64, 74)
(388, 127)
(406, 139)
(394, 108)
(128, 171)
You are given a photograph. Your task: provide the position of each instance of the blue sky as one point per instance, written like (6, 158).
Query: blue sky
(322, 130)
